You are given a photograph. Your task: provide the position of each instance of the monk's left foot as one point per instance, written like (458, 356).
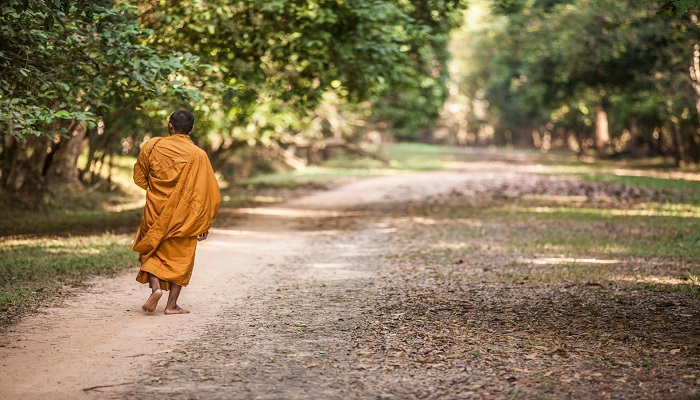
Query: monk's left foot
(152, 301)
(176, 310)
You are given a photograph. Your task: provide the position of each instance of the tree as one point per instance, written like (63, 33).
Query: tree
(412, 108)
(284, 57)
(64, 66)
(569, 68)
(256, 74)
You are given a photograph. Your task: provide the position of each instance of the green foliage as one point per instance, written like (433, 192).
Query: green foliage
(253, 72)
(679, 7)
(63, 61)
(413, 107)
(283, 57)
(550, 65)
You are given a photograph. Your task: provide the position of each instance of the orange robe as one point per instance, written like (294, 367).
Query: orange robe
(182, 199)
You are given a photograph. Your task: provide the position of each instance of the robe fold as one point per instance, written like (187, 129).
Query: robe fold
(182, 200)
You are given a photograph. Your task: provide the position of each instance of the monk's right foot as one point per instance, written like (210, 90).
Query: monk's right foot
(152, 301)
(176, 310)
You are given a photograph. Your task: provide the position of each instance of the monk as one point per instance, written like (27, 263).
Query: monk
(182, 199)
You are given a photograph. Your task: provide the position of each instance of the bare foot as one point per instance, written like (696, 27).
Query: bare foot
(176, 310)
(152, 301)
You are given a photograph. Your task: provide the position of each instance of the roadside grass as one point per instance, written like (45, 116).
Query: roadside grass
(400, 158)
(677, 190)
(545, 240)
(62, 222)
(37, 270)
(74, 237)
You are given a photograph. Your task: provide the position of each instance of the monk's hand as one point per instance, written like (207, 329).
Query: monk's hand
(202, 236)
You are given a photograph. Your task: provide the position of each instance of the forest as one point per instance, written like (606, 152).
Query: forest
(289, 83)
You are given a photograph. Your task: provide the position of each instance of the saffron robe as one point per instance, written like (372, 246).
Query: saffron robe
(182, 199)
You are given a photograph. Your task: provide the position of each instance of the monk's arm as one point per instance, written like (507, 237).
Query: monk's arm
(141, 170)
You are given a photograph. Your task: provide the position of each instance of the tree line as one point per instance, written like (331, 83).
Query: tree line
(599, 77)
(289, 81)
(281, 78)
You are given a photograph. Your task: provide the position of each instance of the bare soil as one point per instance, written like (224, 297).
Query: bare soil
(321, 298)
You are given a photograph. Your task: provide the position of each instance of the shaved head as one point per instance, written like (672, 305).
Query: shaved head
(182, 121)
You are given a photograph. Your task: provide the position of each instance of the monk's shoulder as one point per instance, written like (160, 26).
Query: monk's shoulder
(150, 144)
(199, 153)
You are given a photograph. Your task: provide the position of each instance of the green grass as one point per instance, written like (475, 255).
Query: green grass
(423, 157)
(514, 243)
(36, 269)
(73, 238)
(313, 175)
(647, 243)
(663, 231)
(677, 190)
(400, 158)
(62, 222)
(580, 231)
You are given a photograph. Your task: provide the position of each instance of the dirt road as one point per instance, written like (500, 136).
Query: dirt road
(286, 302)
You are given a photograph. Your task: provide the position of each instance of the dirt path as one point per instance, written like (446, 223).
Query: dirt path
(293, 302)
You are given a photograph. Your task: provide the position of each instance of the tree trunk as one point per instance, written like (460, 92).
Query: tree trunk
(246, 167)
(64, 165)
(573, 142)
(695, 154)
(9, 149)
(634, 136)
(678, 148)
(22, 176)
(695, 82)
(602, 133)
(695, 76)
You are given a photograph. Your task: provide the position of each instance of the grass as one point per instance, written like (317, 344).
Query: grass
(401, 158)
(676, 190)
(571, 244)
(72, 239)
(661, 230)
(62, 222)
(34, 270)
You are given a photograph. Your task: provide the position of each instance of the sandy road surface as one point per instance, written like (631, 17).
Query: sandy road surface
(101, 344)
